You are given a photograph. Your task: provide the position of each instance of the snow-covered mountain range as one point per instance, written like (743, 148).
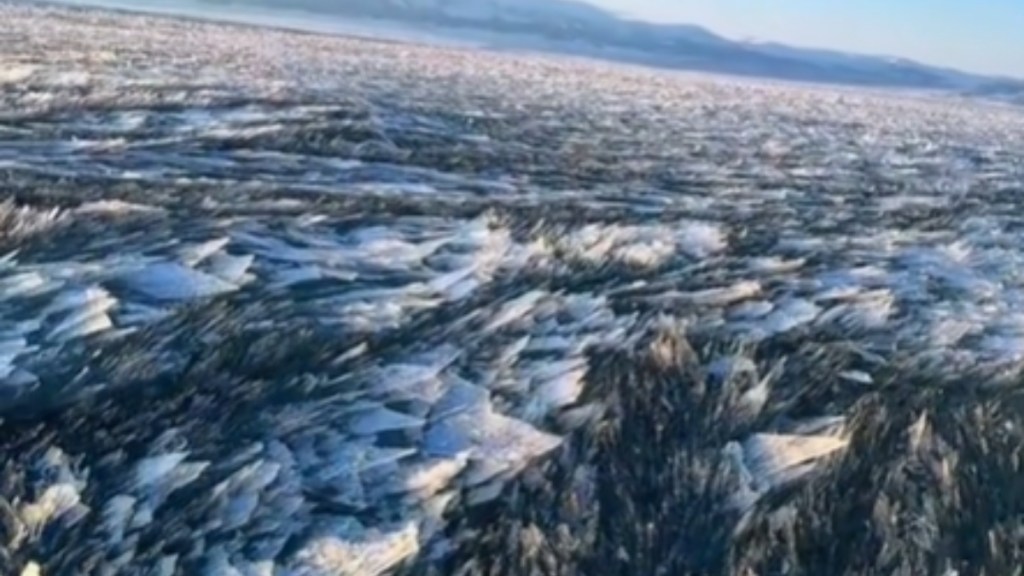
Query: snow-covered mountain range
(576, 27)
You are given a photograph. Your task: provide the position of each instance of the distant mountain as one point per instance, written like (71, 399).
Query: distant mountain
(576, 27)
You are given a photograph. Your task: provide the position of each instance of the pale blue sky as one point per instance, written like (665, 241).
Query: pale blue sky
(976, 35)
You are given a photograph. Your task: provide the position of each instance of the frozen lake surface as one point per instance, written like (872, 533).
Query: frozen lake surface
(279, 303)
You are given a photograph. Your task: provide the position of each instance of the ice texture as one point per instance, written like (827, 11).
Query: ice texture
(357, 282)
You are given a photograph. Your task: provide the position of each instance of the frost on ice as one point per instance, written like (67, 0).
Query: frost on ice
(355, 298)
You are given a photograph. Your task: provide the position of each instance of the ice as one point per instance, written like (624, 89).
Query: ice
(193, 255)
(460, 396)
(54, 502)
(787, 315)
(432, 476)
(90, 299)
(514, 309)
(10, 349)
(338, 555)
(417, 279)
(701, 239)
(505, 442)
(231, 269)
(83, 323)
(555, 392)
(117, 207)
(750, 309)
(170, 281)
(23, 283)
(116, 514)
(23, 222)
(722, 296)
(773, 459)
(155, 469)
(381, 419)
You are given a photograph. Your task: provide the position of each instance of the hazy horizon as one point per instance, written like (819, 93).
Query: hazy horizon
(983, 37)
(981, 41)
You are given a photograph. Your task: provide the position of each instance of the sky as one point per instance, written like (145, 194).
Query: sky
(977, 35)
